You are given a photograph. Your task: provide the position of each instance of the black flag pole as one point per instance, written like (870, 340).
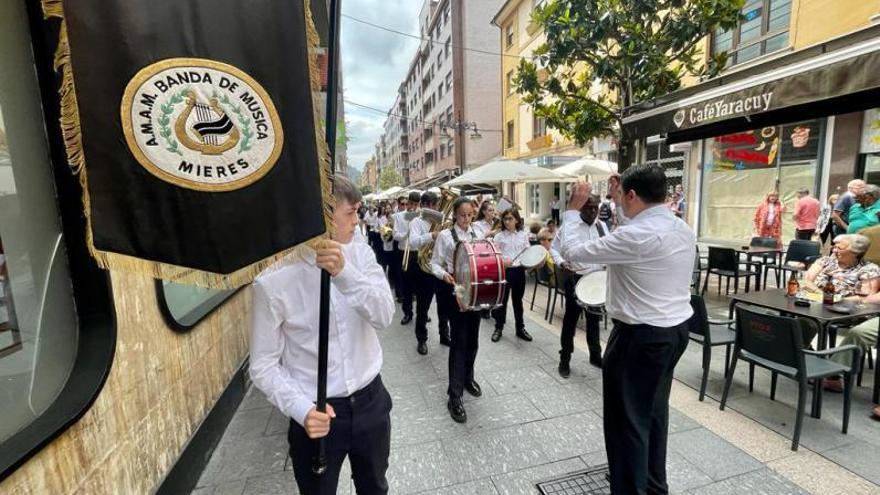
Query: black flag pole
(320, 460)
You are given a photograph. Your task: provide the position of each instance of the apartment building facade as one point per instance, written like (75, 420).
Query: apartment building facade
(447, 113)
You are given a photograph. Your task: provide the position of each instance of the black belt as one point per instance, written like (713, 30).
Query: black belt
(364, 394)
(644, 326)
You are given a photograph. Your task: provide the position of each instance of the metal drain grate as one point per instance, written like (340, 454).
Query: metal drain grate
(591, 482)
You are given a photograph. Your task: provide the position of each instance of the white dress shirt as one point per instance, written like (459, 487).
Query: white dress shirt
(579, 231)
(511, 244)
(284, 330)
(419, 234)
(372, 221)
(401, 228)
(444, 250)
(386, 246)
(650, 260)
(482, 228)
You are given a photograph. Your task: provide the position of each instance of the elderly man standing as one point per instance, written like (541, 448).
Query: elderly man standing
(806, 214)
(863, 213)
(840, 214)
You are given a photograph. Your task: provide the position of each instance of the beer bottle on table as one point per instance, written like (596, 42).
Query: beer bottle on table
(793, 286)
(828, 293)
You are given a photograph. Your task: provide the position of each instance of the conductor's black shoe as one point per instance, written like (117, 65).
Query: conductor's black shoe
(564, 369)
(596, 361)
(406, 319)
(444, 339)
(521, 333)
(473, 388)
(496, 335)
(422, 348)
(456, 410)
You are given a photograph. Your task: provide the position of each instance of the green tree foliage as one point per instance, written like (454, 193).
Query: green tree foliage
(366, 190)
(389, 177)
(634, 49)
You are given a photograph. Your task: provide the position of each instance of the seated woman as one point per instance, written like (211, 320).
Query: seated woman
(853, 277)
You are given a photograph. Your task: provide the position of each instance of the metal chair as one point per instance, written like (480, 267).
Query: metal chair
(709, 333)
(777, 344)
(724, 263)
(543, 278)
(799, 251)
(558, 290)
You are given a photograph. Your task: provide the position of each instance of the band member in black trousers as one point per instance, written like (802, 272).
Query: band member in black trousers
(650, 257)
(512, 240)
(404, 274)
(465, 324)
(425, 284)
(586, 228)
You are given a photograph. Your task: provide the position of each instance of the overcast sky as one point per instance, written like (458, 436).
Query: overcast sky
(374, 63)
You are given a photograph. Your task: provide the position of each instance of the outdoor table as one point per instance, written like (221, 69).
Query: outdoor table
(749, 252)
(776, 299)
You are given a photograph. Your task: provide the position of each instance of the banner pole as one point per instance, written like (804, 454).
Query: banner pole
(319, 465)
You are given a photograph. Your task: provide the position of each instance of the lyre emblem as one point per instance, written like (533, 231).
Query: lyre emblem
(213, 132)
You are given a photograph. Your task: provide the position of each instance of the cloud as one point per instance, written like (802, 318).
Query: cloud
(374, 63)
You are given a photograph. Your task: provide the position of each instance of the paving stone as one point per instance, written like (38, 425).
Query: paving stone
(203, 490)
(282, 483)
(429, 425)
(581, 371)
(254, 399)
(681, 475)
(859, 457)
(240, 458)
(569, 436)
(494, 452)
(278, 423)
(415, 468)
(501, 411)
(524, 481)
(761, 482)
(435, 393)
(562, 400)
(711, 454)
(230, 488)
(519, 379)
(476, 487)
(406, 398)
(249, 423)
(594, 459)
(678, 422)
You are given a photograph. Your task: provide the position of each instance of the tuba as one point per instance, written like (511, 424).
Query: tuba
(439, 220)
(386, 232)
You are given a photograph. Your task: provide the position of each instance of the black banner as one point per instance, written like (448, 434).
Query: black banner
(199, 130)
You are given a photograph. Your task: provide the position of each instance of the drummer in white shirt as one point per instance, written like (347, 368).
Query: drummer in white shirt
(650, 257)
(465, 324)
(582, 229)
(284, 354)
(512, 241)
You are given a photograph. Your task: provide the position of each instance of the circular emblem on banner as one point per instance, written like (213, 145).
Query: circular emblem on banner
(201, 124)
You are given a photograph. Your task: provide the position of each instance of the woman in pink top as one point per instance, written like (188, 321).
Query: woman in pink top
(768, 218)
(806, 214)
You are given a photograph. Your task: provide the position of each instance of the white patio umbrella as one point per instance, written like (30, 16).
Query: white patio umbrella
(500, 171)
(586, 166)
(389, 193)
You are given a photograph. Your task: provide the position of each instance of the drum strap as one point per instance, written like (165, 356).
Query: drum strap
(600, 226)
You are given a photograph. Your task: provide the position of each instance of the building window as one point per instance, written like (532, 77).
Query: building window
(449, 82)
(183, 306)
(510, 139)
(509, 81)
(763, 29)
(539, 126)
(447, 47)
(508, 35)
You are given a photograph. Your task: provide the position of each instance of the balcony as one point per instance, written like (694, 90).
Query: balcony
(540, 142)
(532, 28)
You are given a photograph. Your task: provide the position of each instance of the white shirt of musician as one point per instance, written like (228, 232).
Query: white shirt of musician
(372, 221)
(579, 230)
(386, 246)
(482, 228)
(511, 244)
(419, 234)
(444, 250)
(650, 259)
(284, 330)
(401, 228)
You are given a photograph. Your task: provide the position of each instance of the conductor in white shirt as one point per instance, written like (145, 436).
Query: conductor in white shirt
(650, 258)
(284, 354)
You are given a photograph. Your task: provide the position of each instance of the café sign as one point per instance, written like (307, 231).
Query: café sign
(722, 108)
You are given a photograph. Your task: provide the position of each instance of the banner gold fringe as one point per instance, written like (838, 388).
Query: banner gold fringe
(72, 135)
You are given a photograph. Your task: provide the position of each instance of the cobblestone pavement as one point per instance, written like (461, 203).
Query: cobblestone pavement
(532, 425)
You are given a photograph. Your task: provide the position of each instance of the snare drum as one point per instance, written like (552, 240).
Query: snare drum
(590, 289)
(479, 275)
(531, 257)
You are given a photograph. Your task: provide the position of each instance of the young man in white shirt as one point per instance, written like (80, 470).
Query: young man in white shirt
(585, 228)
(650, 258)
(284, 349)
(425, 284)
(405, 274)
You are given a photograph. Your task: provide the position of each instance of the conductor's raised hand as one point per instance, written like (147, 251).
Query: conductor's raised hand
(580, 193)
(317, 424)
(328, 256)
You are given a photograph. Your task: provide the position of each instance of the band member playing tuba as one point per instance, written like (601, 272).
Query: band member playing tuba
(465, 324)
(421, 236)
(401, 236)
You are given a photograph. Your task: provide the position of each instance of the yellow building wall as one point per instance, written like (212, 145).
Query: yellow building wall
(815, 21)
(510, 102)
(161, 386)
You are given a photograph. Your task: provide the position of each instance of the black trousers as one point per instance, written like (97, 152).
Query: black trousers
(446, 304)
(408, 280)
(825, 234)
(569, 321)
(804, 235)
(361, 431)
(375, 242)
(554, 214)
(465, 343)
(637, 378)
(395, 270)
(425, 285)
(516, 287)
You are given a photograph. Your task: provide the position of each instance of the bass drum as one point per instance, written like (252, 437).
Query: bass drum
(479, 275)
(590, 289)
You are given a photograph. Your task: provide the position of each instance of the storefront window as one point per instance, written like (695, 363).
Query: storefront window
(186, 305)
(672, 162)
(740, 169)
(38, 321)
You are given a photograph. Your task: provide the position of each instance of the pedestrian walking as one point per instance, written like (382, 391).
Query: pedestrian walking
(768, 217)
(806, 215)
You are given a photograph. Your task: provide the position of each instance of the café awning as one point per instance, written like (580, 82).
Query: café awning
(835, 77)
